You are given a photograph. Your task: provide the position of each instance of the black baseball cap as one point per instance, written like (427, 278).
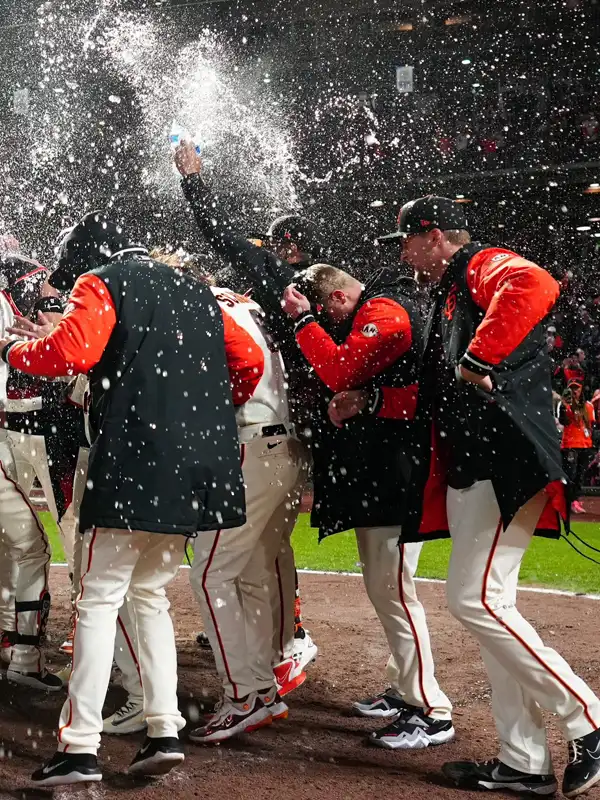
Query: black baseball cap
(300, 231)
(425, 214)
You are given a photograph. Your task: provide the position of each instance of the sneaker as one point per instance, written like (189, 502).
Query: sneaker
(232, 717)
(157, 756)
(583, 770)
(67, 768)
(273, 702)
(36, 680)
(288, 676)
(64, 673)
(495, 776)
(577, 508)
(127, 719)
(384, 705)
(413, 732)
(305, 650)
(203, 641)
(5, 649)
(67, 646)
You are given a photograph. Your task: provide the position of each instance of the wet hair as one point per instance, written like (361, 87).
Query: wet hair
(320, 280)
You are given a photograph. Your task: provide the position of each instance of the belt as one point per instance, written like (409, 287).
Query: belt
(23, 406)
(249, 432)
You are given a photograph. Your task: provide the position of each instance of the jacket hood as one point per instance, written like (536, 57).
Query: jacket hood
(93, 241)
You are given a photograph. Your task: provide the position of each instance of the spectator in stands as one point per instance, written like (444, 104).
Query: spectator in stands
(576, 415)
(570, 370)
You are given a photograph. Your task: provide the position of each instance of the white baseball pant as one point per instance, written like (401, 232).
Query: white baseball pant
(388, 570)
(232, 568)
(282, 580)
(526, 676)
(69, 526)
(26, 546)
(118, 562)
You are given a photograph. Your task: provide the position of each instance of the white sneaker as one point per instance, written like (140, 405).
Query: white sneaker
(127, 719)
(305, 650)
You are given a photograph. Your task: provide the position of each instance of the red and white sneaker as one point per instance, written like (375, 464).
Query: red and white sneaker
(289, 675)
(231, 718)
(577, 508)
(273, 702)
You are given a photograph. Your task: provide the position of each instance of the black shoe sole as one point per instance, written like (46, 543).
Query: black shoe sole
(480, 785)
(158, 764)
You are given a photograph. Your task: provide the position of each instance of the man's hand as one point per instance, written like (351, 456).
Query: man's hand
(187, 160)
(346, 405)
(483, 381)
(30, 330)
(294, 302)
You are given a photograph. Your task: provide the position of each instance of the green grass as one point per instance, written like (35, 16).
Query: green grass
(547, 563)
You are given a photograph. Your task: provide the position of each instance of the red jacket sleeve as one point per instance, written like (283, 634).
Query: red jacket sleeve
(380, 334)
(78, 341)
(245, 360)
(516, 295)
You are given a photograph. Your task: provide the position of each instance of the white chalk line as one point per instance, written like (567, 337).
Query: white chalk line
(532, 589)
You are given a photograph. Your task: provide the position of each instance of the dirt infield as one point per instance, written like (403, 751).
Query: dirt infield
(319, 752)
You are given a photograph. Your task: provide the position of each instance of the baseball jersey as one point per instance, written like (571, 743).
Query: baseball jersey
(268, 405)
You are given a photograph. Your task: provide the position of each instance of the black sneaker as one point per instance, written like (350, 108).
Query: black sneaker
(157, 756)
(384, 705)
(413, 731)
(43, 680)
(583, 770)
(67, 768)
(495, 776)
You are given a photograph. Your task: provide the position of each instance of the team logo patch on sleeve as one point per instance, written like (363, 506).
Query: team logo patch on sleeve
(370, 330)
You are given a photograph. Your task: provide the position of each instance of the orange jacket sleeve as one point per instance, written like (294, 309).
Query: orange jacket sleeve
(245, 360)
(380, 334)
(78, 341)
(516, 295)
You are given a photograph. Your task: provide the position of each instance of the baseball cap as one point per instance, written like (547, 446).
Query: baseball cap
(299, 230)
(425, 214)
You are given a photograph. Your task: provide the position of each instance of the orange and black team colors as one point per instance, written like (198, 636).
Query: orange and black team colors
(162, 404)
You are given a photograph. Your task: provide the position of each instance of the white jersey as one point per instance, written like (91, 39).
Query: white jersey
(268, 405)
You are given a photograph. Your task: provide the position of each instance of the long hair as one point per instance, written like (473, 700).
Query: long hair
(579, 406)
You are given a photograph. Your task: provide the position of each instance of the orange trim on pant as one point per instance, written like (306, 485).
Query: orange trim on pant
(82, 589)
(515, 635)
(428, 707)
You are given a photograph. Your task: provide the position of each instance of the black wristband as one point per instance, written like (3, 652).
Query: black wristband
(374, 402)
(48, 304)
(476, 364)
(303, 320)
(5, 349)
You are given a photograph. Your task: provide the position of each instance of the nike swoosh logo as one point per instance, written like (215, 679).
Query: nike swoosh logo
(271, 446)
(48, 769)
(145, 748)
(595, 754)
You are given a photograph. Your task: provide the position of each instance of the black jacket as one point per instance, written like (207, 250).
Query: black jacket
(268, 276)
(508, 436)
(362, 471)
(165, 454)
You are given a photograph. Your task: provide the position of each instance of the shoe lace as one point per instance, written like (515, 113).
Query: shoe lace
(129, 706)
(575, 751)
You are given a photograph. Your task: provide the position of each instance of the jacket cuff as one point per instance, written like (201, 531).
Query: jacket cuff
(476, 364)
(303, 320)
(374, 402)
(5, 350)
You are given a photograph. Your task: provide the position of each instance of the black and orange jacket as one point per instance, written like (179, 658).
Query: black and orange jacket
(361, 471)
(165, 454)
(488, 315)
(577, 426)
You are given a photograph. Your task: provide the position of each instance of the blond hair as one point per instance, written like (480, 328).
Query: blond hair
(324, 279)
(459, 238)
(165, 257)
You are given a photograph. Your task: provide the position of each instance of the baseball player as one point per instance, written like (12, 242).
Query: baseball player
(493, 466)
(23, 542)
(164, 464)
(361, 476)
(232, 570)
